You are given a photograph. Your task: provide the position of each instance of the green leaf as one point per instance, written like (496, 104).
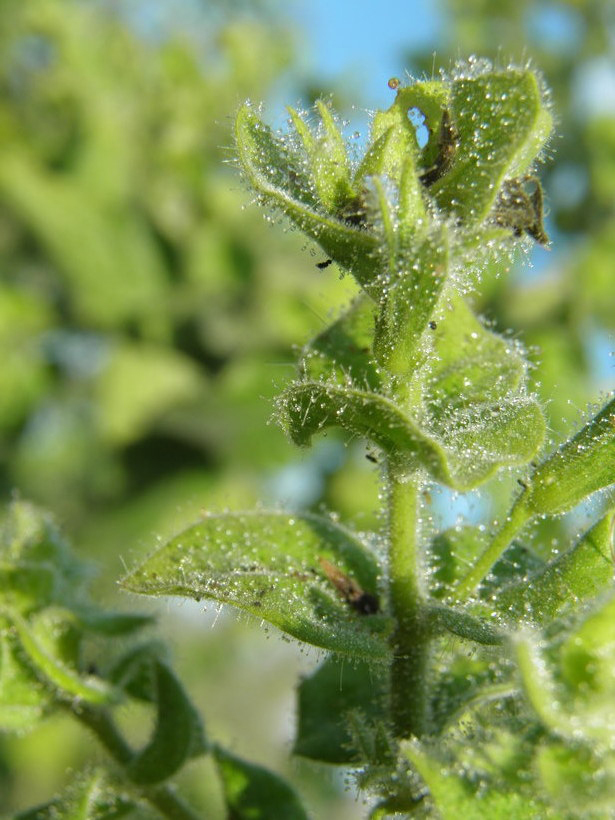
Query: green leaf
(455, 797)
(462, 452)
(450, 554)
(273, 565)
(418, 274)
(393, 137)
(464, 625)
(111, 623)
(28, 586)
(336, 702)
(488, 153)
(467, 683)
(178, 733)
(588, 655)
(468, 414)
(580, 467)
(470, 363)
(575, 778)
(135, 671)
(24, 701)
(342, 352)
(274, 174)
(326, 152)
(574, 577)
(253, 793)
(45, 654)
(574, 701)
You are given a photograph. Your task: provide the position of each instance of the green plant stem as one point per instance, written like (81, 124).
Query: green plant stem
(161, 797)
(411, 638)
(516, 519)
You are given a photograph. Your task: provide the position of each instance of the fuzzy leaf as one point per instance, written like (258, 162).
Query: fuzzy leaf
(576, 700)
(573, 777)
(574, 577)
(471, 364)
(23, 699)
(254, 793)
(464, 625)
(273, 173)
(342, 352)
(487, 152)
(326, 152)
(43, 647)
(450, 554)
(271, 565)
(28, 586)
(588, 655)
(580, 467)
(177, 736)
(462, 453)
(332, 700)
(474, 416)
(395, 136)
(455, 797)
(419, 272)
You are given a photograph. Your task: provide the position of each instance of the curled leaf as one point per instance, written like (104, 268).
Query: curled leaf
(461, 451)
(178, 733)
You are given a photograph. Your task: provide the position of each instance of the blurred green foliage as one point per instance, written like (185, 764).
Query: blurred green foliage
(146, 319)
(145, 316)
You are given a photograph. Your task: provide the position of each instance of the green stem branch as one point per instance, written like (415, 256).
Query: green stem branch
(410, 639)
(161, 797)
(517, 518)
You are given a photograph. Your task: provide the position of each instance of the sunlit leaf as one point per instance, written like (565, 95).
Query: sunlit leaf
(575, 576)
(461, 453)
(580, 467)
(471, 364)
(487, 152)
(454, 796)
(264, 161)
(326, 153)
(574, 777)
(418, 275)
(24, 701)
(274, 566)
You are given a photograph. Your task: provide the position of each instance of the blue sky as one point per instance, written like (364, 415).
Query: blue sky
(365, 40)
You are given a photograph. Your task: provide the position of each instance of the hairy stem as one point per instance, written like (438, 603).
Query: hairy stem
(410, 639)
(160, 797)
(516, 519)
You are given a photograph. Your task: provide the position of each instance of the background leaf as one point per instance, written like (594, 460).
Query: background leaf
(339, 704)
(253, 793)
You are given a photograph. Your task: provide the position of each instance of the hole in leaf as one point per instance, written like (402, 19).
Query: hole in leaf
(417, 118)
